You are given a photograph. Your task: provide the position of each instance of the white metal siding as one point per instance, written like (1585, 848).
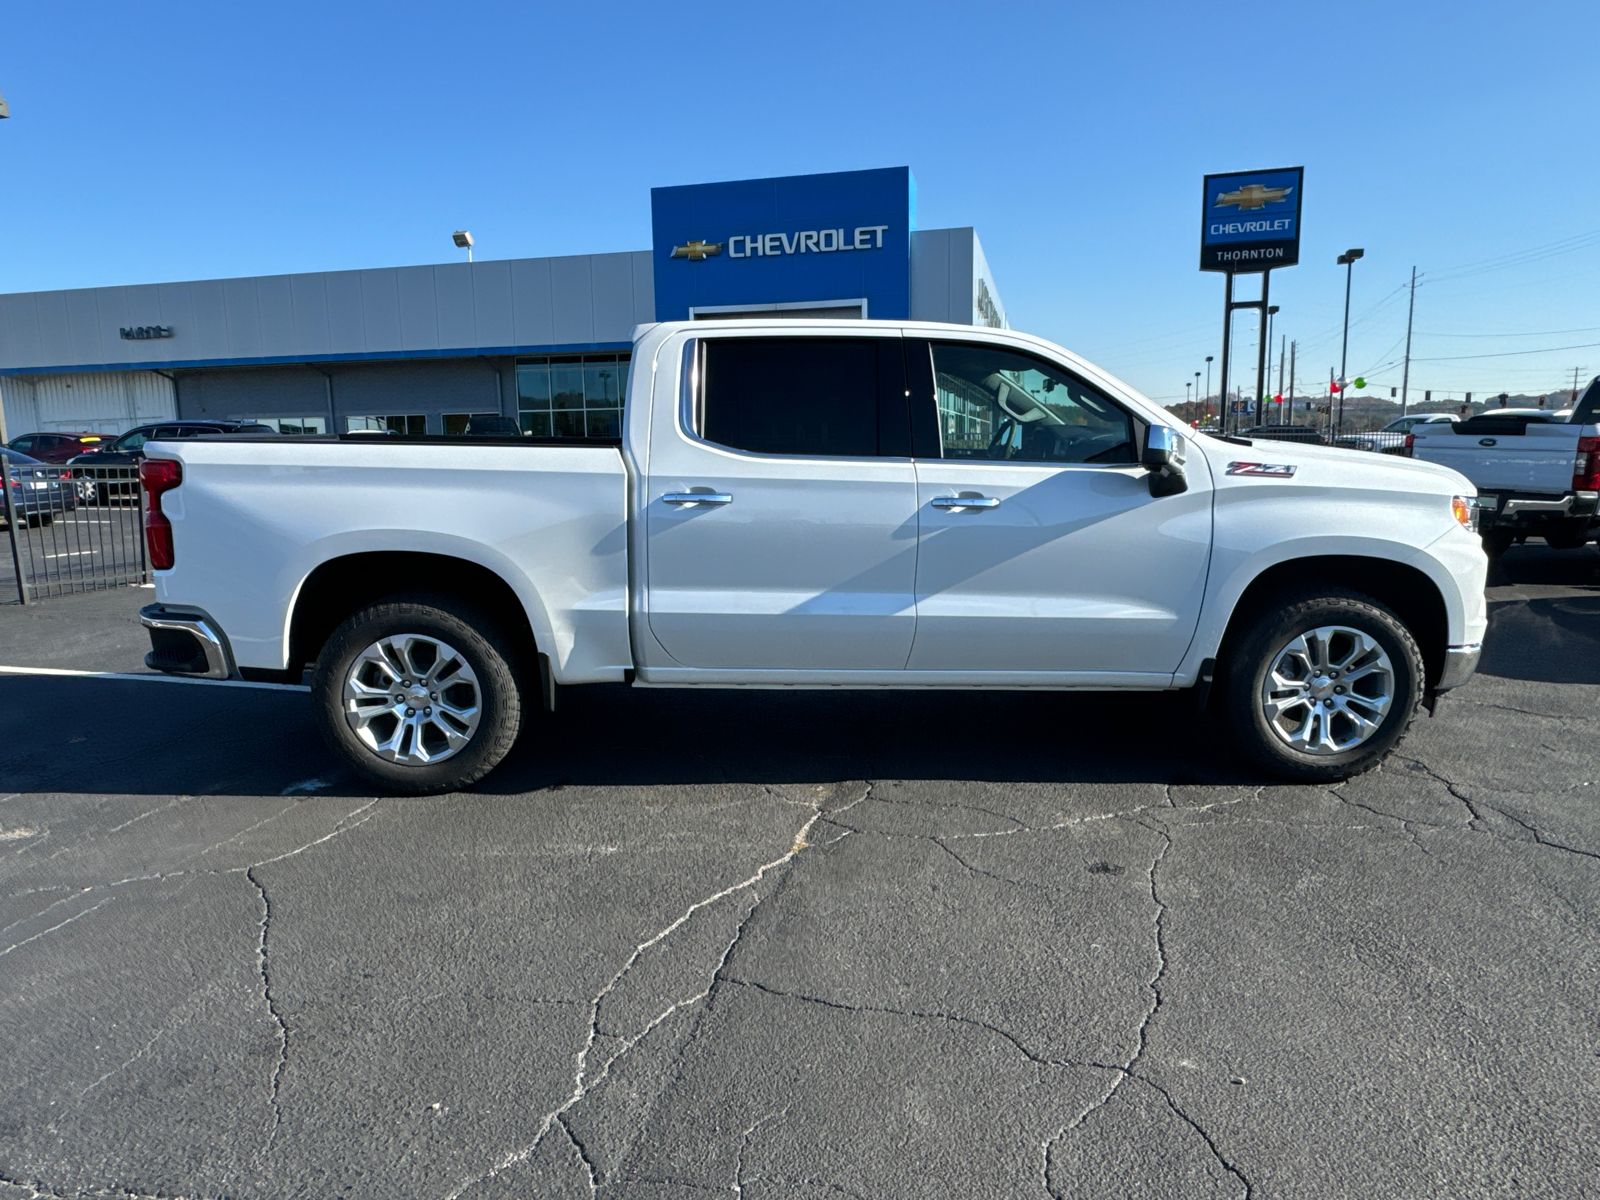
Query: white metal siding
(468, 308)
(89, 401)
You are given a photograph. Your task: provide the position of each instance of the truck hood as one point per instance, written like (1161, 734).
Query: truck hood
(1331, 467)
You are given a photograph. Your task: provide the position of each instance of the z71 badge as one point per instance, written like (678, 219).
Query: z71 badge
(1274, 470)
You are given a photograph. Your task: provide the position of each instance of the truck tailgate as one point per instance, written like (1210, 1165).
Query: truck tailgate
(1539, 460)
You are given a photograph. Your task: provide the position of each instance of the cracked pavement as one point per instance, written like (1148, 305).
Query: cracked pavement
(805, 946)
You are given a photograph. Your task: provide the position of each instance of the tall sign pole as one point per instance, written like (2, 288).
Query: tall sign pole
(1250, 224)
(1263, 335)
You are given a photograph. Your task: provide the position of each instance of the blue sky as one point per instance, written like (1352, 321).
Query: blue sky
(188, 140)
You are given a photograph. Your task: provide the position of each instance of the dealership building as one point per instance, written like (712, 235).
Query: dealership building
(544, 341)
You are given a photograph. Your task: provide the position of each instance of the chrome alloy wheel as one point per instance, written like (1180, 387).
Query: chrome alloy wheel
(412, 699)
(1328, 690)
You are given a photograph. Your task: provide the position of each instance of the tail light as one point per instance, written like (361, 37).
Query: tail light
(159, 475)
(1411, 445)
(1586, 466)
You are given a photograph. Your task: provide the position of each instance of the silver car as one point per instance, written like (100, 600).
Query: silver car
(39, 492)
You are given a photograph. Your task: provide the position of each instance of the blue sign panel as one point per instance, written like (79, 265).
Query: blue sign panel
(1251, 220)
(795, 240)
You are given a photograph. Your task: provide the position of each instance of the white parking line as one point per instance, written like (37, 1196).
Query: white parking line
(152, 678)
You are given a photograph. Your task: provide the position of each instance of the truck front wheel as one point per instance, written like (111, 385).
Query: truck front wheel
(1324, 686)
(417, 695)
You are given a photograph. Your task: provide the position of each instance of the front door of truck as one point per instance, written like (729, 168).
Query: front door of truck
(781, 507)
(1041, 547)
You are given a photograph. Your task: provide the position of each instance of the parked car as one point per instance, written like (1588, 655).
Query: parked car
(1391, 439)
(57, 447)
(821, 504)
(1537, 471)
(40, 492)
(109, 473)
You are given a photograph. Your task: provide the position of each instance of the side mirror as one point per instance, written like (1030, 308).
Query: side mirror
(1163, 456)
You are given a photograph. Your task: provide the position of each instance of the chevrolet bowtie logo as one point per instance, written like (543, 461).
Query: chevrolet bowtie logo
(1252, 195)
(697, 251)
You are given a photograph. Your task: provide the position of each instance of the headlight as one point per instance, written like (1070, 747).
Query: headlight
(1465, 510)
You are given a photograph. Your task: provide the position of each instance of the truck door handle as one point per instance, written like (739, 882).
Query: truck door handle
(965, 502)
(697, 498)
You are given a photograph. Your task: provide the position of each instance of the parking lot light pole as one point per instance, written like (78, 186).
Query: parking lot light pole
(1208, 385)
(1346, 260)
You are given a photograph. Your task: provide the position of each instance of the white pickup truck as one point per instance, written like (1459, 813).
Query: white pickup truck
(820, 504)
(1537, 471)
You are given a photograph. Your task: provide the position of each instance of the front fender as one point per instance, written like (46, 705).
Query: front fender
(1448, 562)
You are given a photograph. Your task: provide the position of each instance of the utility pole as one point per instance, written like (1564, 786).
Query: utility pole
(1405, 379)
(1575, 372)
(1207, 409)
(1347, 261)
(1282, 338)
(1293, 346)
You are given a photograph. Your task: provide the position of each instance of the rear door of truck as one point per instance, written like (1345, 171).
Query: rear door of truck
(780, 508)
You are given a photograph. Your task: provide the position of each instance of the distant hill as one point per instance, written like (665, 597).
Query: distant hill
(1365, 412)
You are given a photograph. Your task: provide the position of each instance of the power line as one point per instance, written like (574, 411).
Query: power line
(1533, 333)
(1518, 258)
(1509, 353)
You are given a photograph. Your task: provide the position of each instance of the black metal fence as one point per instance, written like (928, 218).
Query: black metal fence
(73, 529)
(1378, 441)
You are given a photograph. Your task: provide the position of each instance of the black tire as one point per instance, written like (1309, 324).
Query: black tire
(479, 643)
(1272, 631)
(1567, 539)
(1497, 541)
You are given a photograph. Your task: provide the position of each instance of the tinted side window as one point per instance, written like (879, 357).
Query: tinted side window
(1587, 410)
(134, 439)
(816, 397)
(24, 444)
(998, 405)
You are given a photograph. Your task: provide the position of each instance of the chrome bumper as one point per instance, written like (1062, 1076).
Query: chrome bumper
(1459, 664)
(202, 629)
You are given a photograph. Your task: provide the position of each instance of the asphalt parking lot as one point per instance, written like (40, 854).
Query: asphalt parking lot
(794, 945)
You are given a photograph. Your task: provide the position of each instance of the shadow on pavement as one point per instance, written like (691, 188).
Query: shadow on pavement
(1554, 640)
(1544, 616)
(104, 736)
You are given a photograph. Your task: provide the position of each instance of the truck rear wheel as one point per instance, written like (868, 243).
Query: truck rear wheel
(1497, 541)
(1324, 686)
(1570, 535)
(417, 695)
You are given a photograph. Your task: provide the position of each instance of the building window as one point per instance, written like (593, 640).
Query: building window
(572, 395)
(455, 424)
(291, 425)
(410, 424)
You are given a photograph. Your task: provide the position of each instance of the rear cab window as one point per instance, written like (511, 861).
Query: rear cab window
(840, 397)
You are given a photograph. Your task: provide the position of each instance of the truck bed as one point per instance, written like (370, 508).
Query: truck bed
(256, 516)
